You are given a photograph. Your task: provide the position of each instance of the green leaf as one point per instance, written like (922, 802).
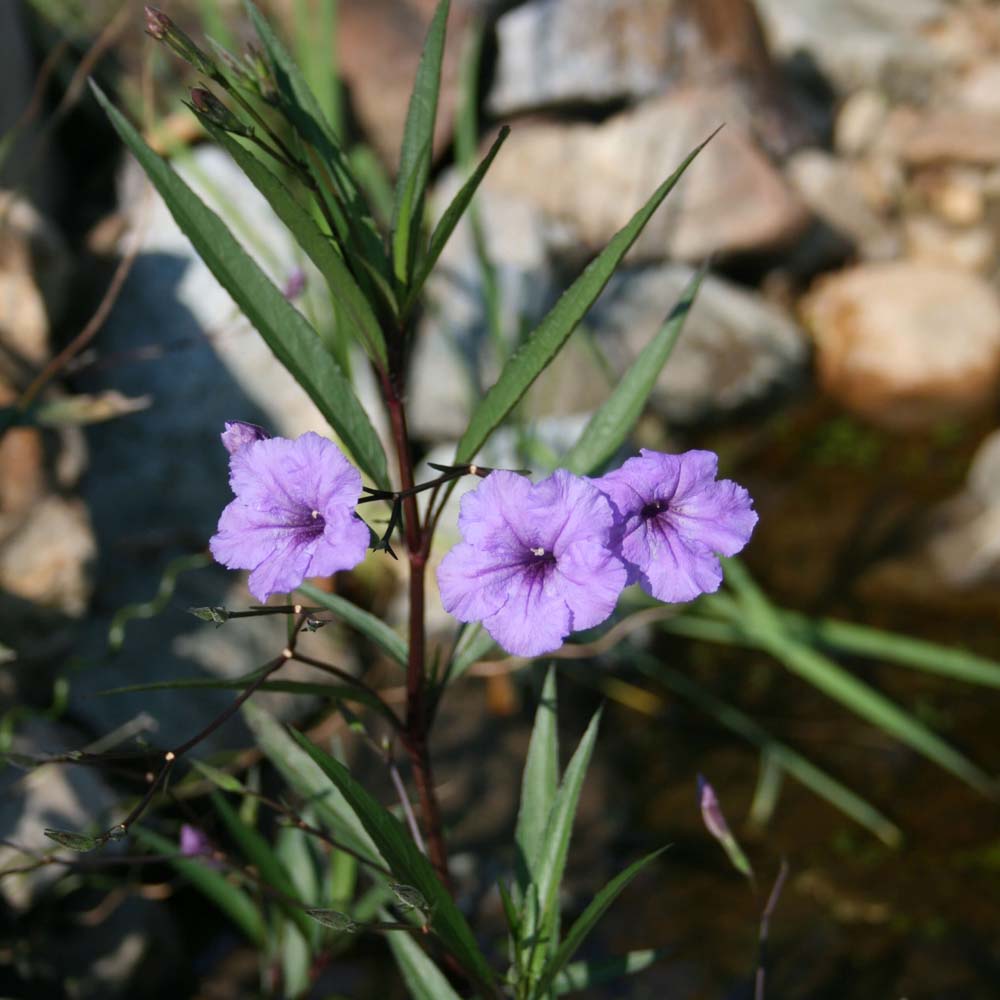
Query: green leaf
(540, 908)
(347, 297)
(229, 898)
(447, 223)
(306, 778)
(862, 640)
(547, 339)
(608, 428)
(416, 150)
(539, 786)
(586, 975)
(294, 342)
(818, 781)
(471, 652)
(221, 779)
(423, 978)
(405, 861)
(762, 622)
(369, 625)
(259, 853)
(585, 922)
(336, 920)
(304, 112)
(78, 842)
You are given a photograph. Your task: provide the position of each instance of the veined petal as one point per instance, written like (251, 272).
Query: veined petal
(534, 620)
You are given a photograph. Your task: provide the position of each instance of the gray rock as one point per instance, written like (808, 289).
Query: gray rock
(735, 348)
(731, 199)
(552, 53)
(61, 796)
(858, 42)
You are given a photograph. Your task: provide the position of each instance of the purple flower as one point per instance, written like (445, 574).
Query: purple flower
(293, 515)
(675, 519)
(238, 433)
(535, 563)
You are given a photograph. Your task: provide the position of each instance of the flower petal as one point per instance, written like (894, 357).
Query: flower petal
(534, 620)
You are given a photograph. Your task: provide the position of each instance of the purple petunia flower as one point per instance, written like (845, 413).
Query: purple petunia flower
(193, 841)
(535, 563)
(238, 433)
(293, 515)
(675, 519)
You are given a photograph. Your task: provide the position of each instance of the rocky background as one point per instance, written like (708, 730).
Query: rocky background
(849, 208)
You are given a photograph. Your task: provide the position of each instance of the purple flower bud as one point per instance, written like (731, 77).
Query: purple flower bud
(239, 434)
(295, 285)
(193, 842)
(157, 23)
(209, 106)
(711, 811)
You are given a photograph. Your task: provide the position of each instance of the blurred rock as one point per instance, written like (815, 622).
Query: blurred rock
(62, 796)
(978, 89)
(859, 120)
(731, 199)
(858, 43)
(591, 51)
(378, 45)
(735, 348)
(455, 360)
(935, 242)
(832, 189)
(964, 546)
(955, 194)
(906, 344)
(954, 135)
(48, 558)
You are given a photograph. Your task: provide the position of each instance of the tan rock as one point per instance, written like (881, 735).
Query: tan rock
(47, 560)
(594, 177)
(906, 344)
(859, 120)
(935, 242)
(954, 135)
(955, 193)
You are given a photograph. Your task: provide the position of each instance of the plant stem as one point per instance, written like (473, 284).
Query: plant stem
(415, 731)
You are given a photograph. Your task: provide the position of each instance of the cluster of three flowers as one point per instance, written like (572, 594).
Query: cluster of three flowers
(537, 560)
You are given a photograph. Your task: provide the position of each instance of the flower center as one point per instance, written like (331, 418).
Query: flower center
(653, 509)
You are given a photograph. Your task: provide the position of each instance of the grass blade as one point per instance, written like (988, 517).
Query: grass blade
(528, 362)
(406, 862)
(613, 422)
(294, 342)
(585, 975)
(763, 623)
(585, 922)
(795, 764)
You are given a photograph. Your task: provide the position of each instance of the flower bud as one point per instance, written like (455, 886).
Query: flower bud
(157, 23)
(208, 105)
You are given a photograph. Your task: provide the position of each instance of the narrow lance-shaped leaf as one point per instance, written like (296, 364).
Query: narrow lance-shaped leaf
(763, 623)
(608, 428)
(307, 118)
(587, 920)
(347, 297)
(418, 141)
(586, 975)
(259, 853)
(294, 342)
(539, 785)
(405, 861)
(531, 359)
(446, 225)
(423, 978)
